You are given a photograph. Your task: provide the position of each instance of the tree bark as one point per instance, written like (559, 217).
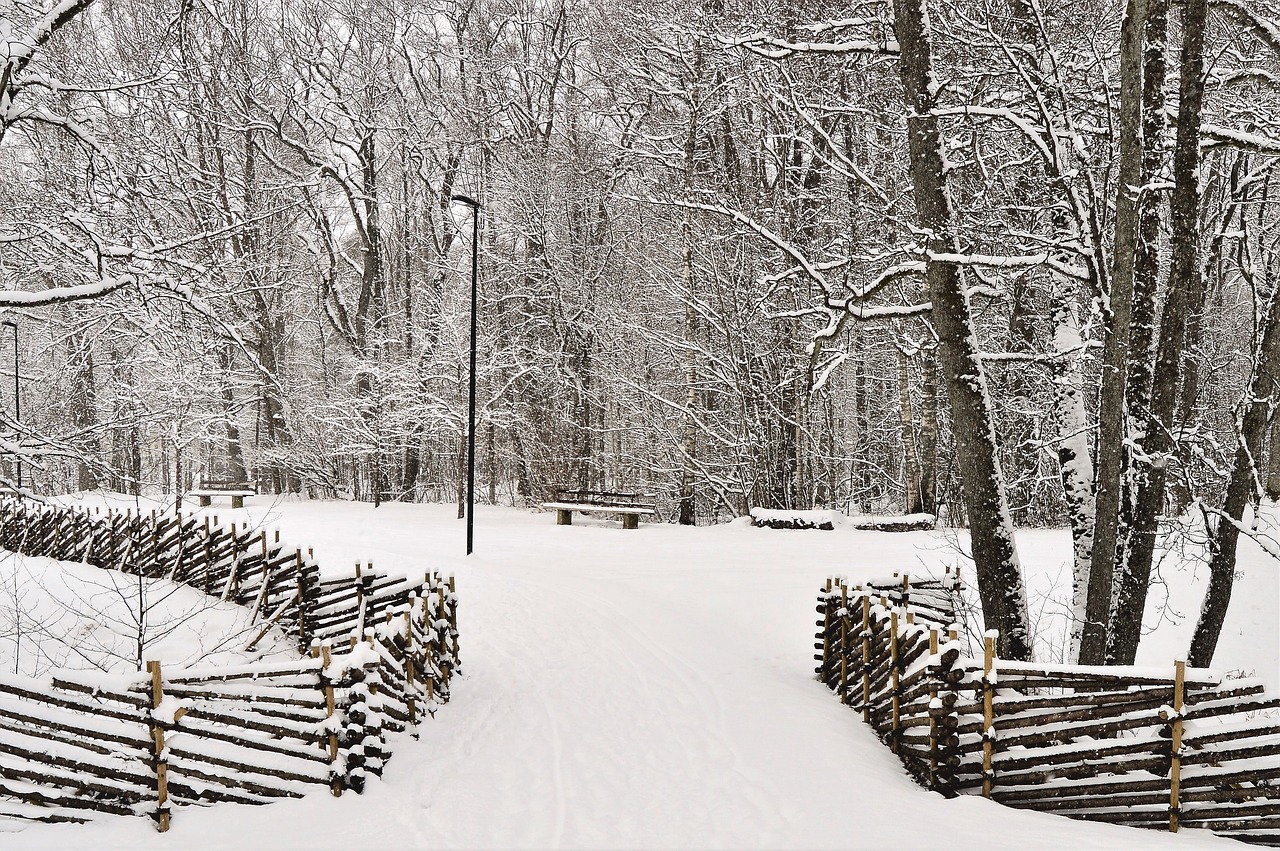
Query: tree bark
(1241, 490)
(995, 556)
(1158, 443)
(1262, 391)
(233, 455)
(910, 461)
(1111, 404)
(929, 433)
(1070, 425)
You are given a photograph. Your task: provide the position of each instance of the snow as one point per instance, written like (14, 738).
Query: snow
(64, 615)
(652, 688)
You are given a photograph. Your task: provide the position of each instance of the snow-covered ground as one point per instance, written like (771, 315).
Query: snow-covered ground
(653, 688)
(59, 615)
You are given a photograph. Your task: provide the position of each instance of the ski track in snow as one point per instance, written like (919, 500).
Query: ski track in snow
(621, 689)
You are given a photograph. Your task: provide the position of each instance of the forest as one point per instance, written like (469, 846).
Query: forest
(1008, 262)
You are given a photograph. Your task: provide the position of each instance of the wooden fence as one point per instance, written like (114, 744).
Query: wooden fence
(1147, 747)
(377, 653)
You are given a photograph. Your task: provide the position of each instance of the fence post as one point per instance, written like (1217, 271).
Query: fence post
(453, 621)
(844, 643)
(894, 730)
(303, 641)
(1175, 748)
(988, 716)
(866, 658)
(157, 743)
(825, 660)
(411, 688)
(330, 706)
(360, 600)
(445, 661)
(933, 721)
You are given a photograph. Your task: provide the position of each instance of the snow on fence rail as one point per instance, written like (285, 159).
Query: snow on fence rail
(1147, 747)
(378, 652)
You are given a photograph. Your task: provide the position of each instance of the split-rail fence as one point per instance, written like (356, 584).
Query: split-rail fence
(1141, 746)
(376, 653)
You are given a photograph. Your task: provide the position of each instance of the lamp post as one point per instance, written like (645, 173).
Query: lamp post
(17, 398)
(471, 397)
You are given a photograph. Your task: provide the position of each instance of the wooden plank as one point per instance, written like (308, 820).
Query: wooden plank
(184, 760)
(28, 748)
(69, 701)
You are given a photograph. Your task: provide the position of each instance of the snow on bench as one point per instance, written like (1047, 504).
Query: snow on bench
(630, 505)
(237, 491)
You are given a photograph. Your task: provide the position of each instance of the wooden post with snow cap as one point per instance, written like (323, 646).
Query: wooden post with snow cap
(302, 597)
(411, 688)
(895, 729)
(844, 643)
(824, 659)
(453, 618)
(427, 647)
(446, 665)
(866, 658)
(988, 716)
(157, 745)
(208, 554)
(933, 721)
(322, 651)
(1175, 744)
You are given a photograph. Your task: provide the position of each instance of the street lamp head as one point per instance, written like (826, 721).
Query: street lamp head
(466, 199)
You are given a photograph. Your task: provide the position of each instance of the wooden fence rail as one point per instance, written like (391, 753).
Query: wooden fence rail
(1142, 746)
(378, 652)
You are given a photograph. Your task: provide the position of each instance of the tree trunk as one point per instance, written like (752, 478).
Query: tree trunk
(686, 514)
(1252, 428)
(1273, 462)
(1262, 392)
(910, 462)
(995, 556)
(83, 410)
(1158, 444)
(233, 456)
(1070, 428)
(1111, 404)
(929, 433)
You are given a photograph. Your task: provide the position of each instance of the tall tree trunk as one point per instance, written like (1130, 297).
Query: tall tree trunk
(1266, 377)
(686, 514)
(1112, 420)
(910, 462)
(929, 432)
(233, 457)
(1000, 585)
(1273, 462)
(1252, 427)
(83, 410)
(1158, 443)
(1070, 427)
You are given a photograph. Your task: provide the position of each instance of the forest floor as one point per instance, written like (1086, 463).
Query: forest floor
(654, 688)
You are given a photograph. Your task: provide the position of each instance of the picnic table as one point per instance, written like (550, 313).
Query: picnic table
(236, 491)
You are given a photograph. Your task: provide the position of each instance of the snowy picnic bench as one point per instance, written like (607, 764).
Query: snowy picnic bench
(237, 491)
(630, 505)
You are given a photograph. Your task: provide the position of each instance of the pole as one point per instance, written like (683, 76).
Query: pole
(17, 399)
(471, 398)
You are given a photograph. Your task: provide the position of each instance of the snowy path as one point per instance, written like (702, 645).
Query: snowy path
(623, 689)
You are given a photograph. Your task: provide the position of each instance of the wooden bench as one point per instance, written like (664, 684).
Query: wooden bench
(630, 505)
(237, 491)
